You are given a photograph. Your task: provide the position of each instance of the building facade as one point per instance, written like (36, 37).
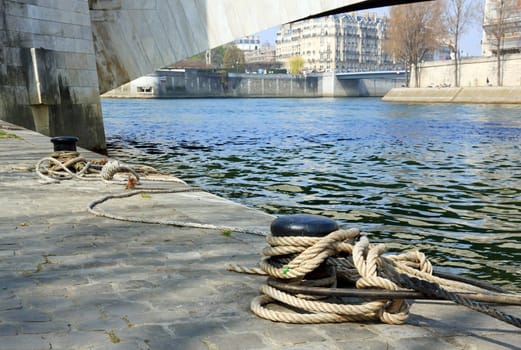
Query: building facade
(343, 42)
(264, 56)
(256, 55)
(248, 43)
(502, 27)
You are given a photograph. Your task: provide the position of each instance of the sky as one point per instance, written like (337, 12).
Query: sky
(470, 41)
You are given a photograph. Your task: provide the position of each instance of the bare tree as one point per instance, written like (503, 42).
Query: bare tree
(498, 22)
(233, 57)
(414, 31)
(459, 15)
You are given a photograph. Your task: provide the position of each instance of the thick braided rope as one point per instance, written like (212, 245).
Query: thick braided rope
(318, 311)
(390, 263)
(366, 260)
(312, 252)
(367, 267)
(434, 289)
(258, 307)
(91, 209)
(415, 259)
(113, 167)
(56, 168)
(49, 174)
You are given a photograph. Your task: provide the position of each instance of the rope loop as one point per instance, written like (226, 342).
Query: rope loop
(304, 263)
(309, 255)
(313, 251)
(113, 167)
(414, 259)
(65, 165)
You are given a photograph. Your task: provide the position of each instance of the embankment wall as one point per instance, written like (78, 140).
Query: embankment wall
(483, 94)
(474, 72)
(478, 82)
(194, 83)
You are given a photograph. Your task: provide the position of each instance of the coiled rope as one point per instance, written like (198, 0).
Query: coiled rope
(65, 165)
(352, 259)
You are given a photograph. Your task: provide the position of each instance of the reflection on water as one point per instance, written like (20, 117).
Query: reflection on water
(442, 178)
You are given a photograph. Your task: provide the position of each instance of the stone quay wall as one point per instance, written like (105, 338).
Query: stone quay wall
(179, 83)
(475, 72)
(48, 77)
(477, 95)
(478, 83)
(195, 83)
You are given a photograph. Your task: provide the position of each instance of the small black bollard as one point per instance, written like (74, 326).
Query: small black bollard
(303, 225)
(64, 143)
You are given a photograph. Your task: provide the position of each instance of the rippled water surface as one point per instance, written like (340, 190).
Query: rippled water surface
(442, 178)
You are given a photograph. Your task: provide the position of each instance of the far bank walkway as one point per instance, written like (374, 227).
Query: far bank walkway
(71, 280)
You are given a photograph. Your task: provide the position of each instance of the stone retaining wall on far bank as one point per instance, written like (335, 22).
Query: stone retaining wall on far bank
(473, 72)
(498, 95)
(181, 83)
(191, 83)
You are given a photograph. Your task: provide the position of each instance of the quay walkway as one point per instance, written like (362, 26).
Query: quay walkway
(72, 280)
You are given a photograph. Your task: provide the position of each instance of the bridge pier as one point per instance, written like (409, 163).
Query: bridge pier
(48, 77)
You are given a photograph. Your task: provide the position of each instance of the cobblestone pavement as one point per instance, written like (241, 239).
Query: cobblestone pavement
(72, 280)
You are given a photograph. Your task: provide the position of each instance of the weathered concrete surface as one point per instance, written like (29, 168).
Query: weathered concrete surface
(507, 95)
(70, 280)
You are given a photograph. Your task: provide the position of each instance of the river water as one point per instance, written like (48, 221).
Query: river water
(442, 178)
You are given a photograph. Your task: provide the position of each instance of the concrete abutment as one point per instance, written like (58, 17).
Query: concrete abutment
(48, 78)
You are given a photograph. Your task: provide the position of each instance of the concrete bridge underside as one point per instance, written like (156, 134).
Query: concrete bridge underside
(58, 56)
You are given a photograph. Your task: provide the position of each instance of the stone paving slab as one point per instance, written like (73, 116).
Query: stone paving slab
(72, 280)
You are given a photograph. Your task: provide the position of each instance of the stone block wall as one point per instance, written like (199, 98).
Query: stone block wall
(473, 72)
(166, 83)
(194, 83)
(244, 85)
(48, 77)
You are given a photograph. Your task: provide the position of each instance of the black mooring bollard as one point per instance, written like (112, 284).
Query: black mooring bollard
(64, 143)
(303, 225)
